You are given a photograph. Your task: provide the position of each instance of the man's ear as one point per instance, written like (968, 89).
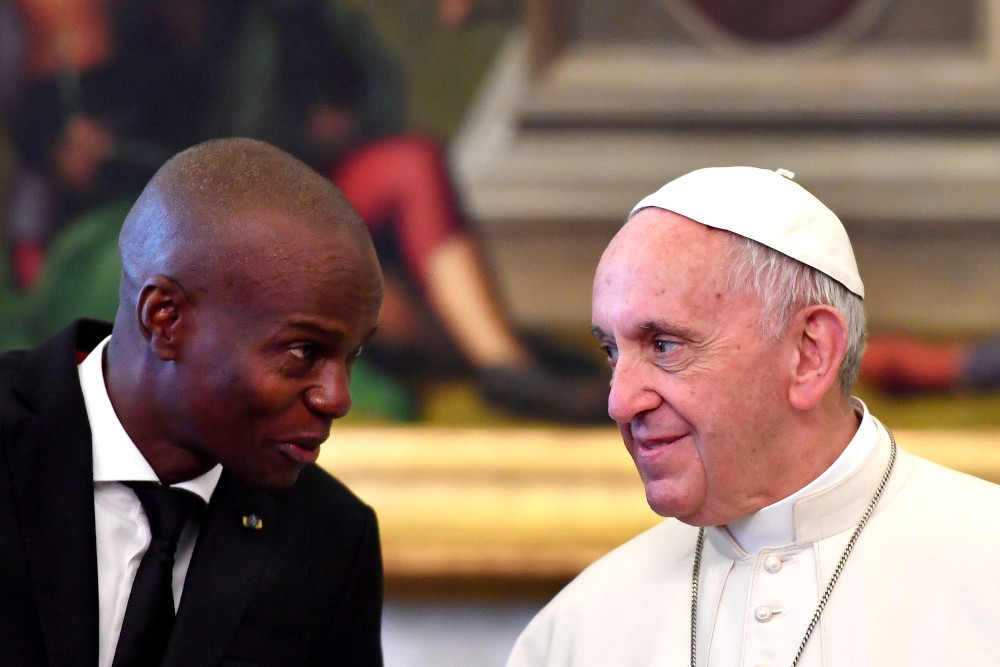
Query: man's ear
(820, 338)
(162, 311)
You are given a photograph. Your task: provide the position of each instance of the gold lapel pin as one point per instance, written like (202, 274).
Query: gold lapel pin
(253, 522)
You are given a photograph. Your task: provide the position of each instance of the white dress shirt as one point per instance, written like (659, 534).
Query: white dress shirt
(122, 529)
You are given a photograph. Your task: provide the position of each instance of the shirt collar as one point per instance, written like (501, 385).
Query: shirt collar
(116, 458)
(774, 525)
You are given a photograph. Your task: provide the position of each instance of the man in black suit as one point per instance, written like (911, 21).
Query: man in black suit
(249, 285)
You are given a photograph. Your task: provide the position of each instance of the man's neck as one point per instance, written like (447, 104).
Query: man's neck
(132, 400)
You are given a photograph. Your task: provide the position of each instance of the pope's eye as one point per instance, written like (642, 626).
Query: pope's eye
(665, 346)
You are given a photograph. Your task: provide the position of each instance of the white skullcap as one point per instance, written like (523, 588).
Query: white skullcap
(768, 207)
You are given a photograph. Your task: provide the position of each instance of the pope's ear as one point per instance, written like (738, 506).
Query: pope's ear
(162, 312)
(820, 338)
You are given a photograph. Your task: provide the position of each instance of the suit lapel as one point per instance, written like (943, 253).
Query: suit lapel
(51, 460)
(224, 571)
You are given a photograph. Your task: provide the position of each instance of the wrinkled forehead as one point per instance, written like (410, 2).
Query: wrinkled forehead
(658, 263)
(656, 237)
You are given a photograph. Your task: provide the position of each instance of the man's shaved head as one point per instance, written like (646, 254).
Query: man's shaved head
(249, 286)
(190, 223)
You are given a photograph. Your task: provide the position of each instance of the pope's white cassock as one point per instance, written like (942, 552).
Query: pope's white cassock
(921, 587)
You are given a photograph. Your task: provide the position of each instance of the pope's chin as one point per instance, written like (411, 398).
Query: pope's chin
(666, 499)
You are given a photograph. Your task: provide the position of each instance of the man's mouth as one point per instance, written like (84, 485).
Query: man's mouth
(300, 452)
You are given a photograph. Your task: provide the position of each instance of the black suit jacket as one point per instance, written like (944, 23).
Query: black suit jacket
(306, 589)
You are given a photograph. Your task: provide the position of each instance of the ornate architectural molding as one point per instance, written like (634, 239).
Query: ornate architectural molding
(522, 505)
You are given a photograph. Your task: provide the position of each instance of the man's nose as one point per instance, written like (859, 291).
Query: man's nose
(331, 395)
(631, 392)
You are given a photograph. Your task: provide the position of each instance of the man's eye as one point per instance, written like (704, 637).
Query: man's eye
(304, 351)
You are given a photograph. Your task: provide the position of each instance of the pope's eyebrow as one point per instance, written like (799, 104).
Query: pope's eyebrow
(664, 327)
(659, 326)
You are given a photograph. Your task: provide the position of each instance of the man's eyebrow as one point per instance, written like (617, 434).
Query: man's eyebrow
(313, 328)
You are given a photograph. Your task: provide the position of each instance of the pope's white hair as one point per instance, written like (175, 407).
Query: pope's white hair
(783, 286)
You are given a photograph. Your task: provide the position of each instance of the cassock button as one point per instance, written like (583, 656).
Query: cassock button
(772, 564)
(253, 522)
(763, 614)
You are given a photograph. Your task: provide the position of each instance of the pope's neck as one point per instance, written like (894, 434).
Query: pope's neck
(773, 525)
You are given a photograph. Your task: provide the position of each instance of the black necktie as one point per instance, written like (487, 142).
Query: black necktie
(149, 616)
